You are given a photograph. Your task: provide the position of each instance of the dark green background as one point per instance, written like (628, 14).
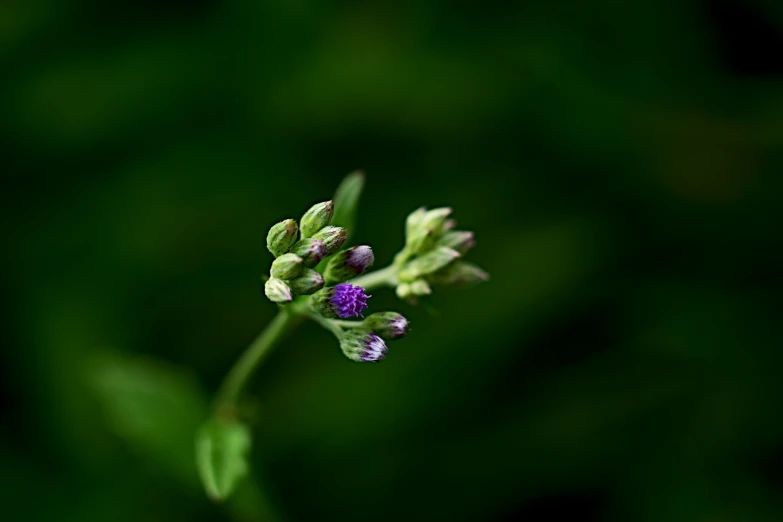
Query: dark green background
(620, 164)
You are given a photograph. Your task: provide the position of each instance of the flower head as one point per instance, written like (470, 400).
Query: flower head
(281, 236)
(341, 301)
(277, 291)
(348, 264)
(363, 346)
(316, 218)
(349, 300)
(389, 325)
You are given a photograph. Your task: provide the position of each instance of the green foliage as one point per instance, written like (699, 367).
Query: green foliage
(346, 201)
(153, 407)
(222, 446)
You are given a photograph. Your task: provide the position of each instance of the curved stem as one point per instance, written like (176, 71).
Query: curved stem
(237, 377)
(377, 279)
(329, 324)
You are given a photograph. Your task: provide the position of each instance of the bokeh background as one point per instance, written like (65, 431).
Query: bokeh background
(618, 161)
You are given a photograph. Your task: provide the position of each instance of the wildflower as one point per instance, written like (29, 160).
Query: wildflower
(341, 301)
(287, 266)
(389, 325)
(307, 283)
(348, 264)
(316, 218)
(281, 236)
(363, 346)
(277, 291)
(333, 237)
(312, 251)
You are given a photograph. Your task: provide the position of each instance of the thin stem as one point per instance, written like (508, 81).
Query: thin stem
(237, 377)
(329, 324)
(377, 279)
(348, 324)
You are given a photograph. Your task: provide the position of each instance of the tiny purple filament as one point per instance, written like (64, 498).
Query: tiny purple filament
(348, 300)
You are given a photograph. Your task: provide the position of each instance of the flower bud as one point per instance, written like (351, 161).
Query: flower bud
(420, 287)
(309, 282)
(311, 250)
(403, 291)
(457, 274)
(333, 237)
(287, 266)
(363, 346)
(341, 301)
(389, 325)
(316, 218)
(428, 263)
(348, 264)
(458, 240)
(413, 220)
(277, 291)
(426, 229)
(281, 236)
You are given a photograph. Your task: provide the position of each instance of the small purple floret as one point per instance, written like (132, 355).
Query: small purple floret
(374, 349)
(348, 300)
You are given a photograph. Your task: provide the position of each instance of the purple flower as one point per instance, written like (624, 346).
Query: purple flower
(341, 301)
(348, 300)
(363, 346)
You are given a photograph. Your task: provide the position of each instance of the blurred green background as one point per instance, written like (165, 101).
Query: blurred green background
(619, 163)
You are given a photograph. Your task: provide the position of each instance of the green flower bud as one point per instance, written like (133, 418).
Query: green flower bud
(277, 291)
(426, 229)
(309, 282)
(458, 240)
(428, 263)
(334, 237)
(413, 220)
(311, 250)
(316, 218)
(348, 264)
(403, 291)
(458, 274)
(363, 346)
(420, 287)
(389, 325)
(287, 266)
(281, 236)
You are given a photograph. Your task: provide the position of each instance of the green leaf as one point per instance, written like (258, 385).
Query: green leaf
(221, 456)
(346, 200)
(152, 406)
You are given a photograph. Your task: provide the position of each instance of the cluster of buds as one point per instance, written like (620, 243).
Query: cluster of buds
(433, 254)
(298, 249)
(308, 256)
(367, 342)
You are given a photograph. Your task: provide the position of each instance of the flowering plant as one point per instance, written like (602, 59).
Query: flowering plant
(313, 277)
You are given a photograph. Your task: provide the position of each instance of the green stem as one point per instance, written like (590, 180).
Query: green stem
(237, 377)
(329, 324)
(377, 279)
(348, 324)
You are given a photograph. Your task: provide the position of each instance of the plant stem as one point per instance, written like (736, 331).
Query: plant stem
(377, 279)
(329, 324)
(237, 377)
(348, 324)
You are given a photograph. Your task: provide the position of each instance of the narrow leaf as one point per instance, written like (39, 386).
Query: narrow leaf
(221, 452)
(346, 200)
